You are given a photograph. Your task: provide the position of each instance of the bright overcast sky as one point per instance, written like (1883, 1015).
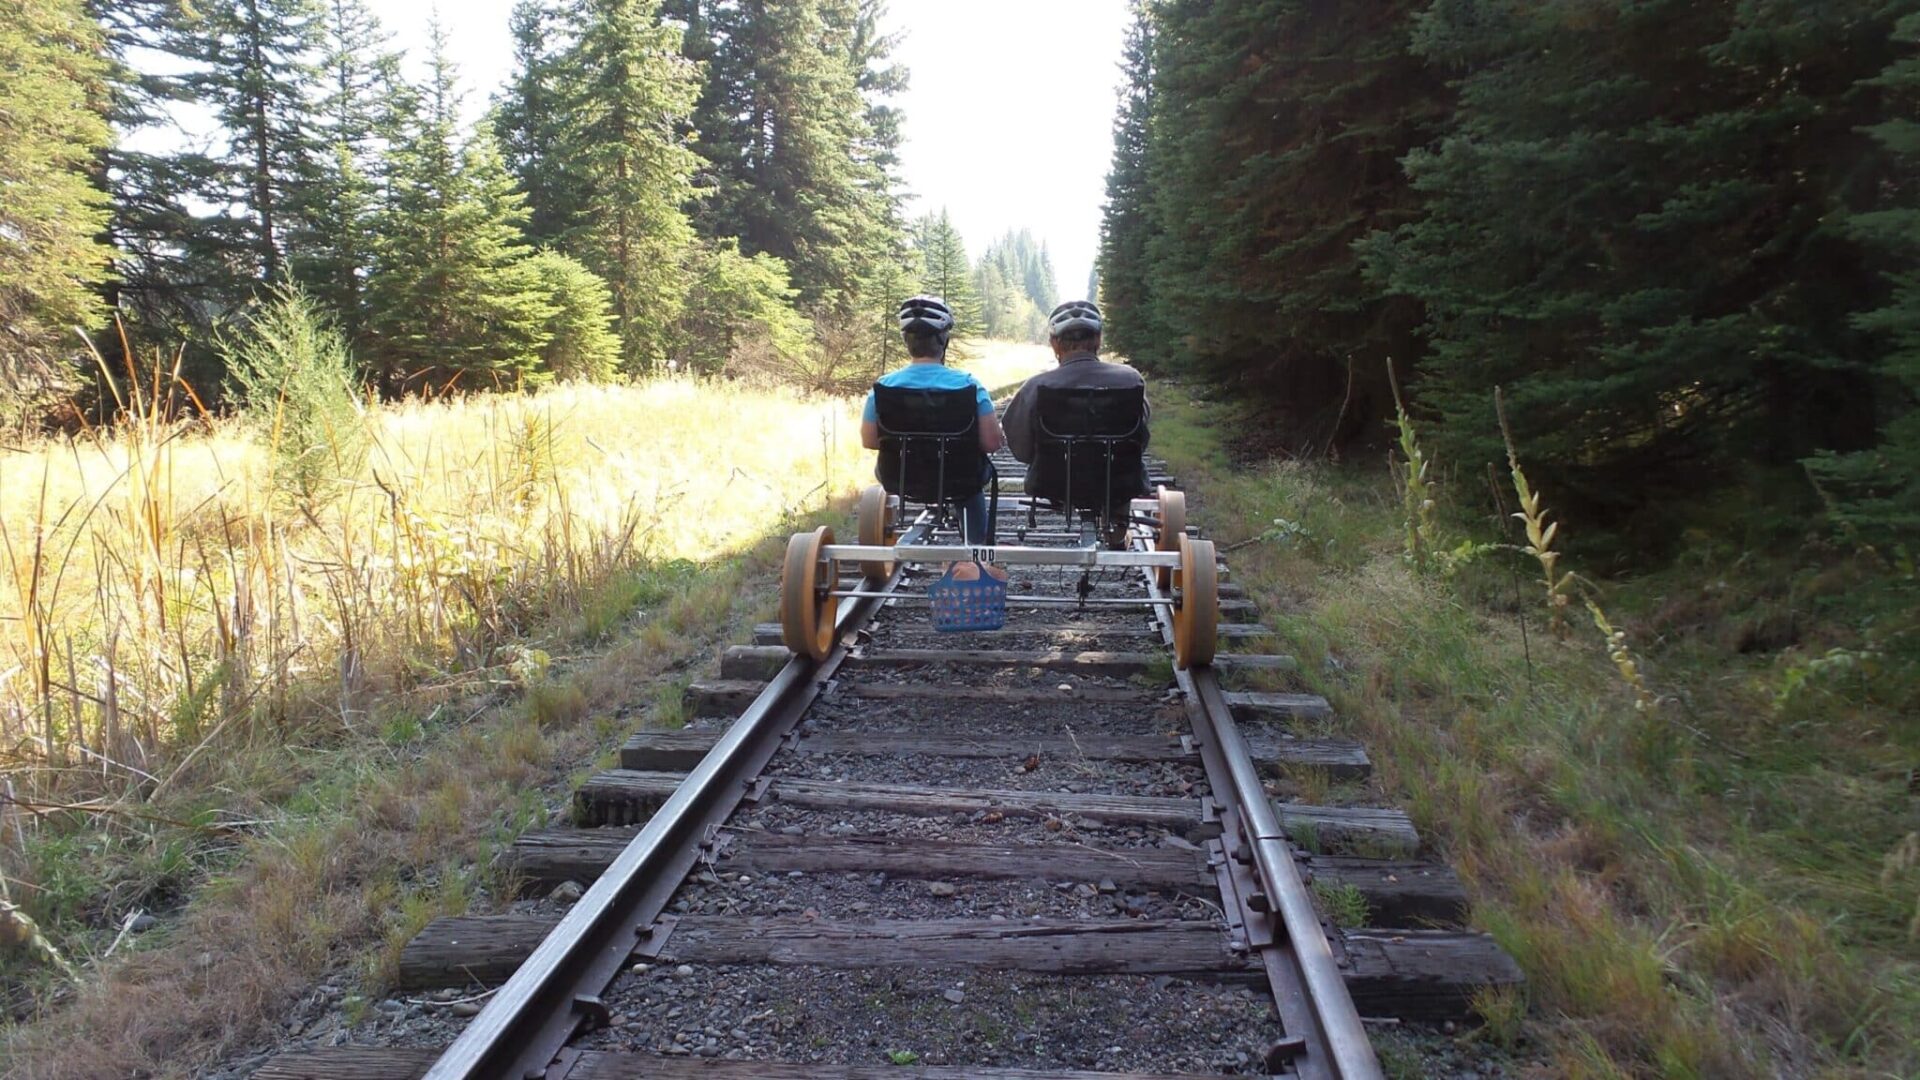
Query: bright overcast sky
(1000, 130)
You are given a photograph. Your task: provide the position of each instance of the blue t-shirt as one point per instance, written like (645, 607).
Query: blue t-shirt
(929, 376)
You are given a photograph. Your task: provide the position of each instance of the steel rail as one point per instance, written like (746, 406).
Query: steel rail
(1331, 1021)
(521, 1032)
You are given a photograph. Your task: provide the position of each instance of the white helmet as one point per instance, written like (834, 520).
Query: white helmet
(926, 314)
(1075, 318)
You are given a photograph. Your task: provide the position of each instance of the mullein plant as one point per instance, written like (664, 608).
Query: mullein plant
(1416, 489)
(1426, 546)
(1560, 584)
(1540, 532)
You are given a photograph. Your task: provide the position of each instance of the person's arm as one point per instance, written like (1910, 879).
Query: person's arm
(870, 424)
(991, 437)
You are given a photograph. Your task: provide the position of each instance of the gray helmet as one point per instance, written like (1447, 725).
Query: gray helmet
(1073, 319)
(927, 315)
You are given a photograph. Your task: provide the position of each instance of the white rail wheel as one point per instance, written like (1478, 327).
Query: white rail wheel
(1196, 605)
(1173, 526)
(875, 519)
(806, 606)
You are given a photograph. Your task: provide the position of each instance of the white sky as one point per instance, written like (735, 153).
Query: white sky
(1000, 130)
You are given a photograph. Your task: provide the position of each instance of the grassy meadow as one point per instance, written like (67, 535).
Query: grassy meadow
(1723, 882)
(297, 728)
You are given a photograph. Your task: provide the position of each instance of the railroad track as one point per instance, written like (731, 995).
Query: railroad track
(1046, 854)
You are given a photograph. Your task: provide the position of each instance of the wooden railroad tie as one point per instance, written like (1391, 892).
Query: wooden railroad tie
(1341, 759)
(1398, 892)
(730, 697)
(628, 797)
(1412, 974)
(409, 1063)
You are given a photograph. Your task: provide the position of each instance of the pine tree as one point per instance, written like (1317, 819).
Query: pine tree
(627, 90)
(581, 344)
(1014, 282)
(1037, 273)
(454, 299)
(739, 316)
(1128, 224)
(1001, 308)
(945, 272)
(256, 73)
(530, 119)
(333, 248)
(1877, 492)
(53, 99)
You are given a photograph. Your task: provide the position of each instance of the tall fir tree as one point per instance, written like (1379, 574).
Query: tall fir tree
(627, 90)
(333, 248)
(54, 96)
(454, 300)
(1877, 492)
(1128, 224)
(530, 118)
(945, 271)
(255, 70)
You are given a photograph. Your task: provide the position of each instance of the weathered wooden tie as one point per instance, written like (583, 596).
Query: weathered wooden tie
(411, 1063)
(730, 697)
(1414, 974)
(1397, 892)
(487, 948)
(675, 751)
(627, 797)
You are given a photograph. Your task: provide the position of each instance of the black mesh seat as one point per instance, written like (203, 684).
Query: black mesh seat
(929, 443)
(1090, 455)
(930, 450)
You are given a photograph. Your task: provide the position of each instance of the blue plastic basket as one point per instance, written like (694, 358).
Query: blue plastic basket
(960, 606)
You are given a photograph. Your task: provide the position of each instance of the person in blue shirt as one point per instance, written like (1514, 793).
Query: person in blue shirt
(927, 325)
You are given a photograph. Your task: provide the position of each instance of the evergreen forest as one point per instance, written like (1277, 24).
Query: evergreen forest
(1679, 237)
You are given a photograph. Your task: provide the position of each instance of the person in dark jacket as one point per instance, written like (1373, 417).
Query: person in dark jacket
(1074, 332)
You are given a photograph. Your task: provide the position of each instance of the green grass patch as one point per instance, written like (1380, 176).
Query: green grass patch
(1725, 884)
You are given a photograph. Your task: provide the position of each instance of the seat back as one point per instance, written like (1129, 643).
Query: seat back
(1092, 445)
(929, 442)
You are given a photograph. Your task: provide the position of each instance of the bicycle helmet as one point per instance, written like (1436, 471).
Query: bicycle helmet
(1074, 319)
(926, 314)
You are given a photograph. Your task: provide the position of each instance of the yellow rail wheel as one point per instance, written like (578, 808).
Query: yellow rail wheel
(806, 606)
(1196, 605)
(1173, 526)
(875, 529)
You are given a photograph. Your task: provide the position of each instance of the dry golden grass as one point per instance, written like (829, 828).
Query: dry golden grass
(163, 595)
(338, 715)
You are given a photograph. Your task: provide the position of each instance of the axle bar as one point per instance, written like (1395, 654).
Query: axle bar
(1018, 601)
(1007, 556)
